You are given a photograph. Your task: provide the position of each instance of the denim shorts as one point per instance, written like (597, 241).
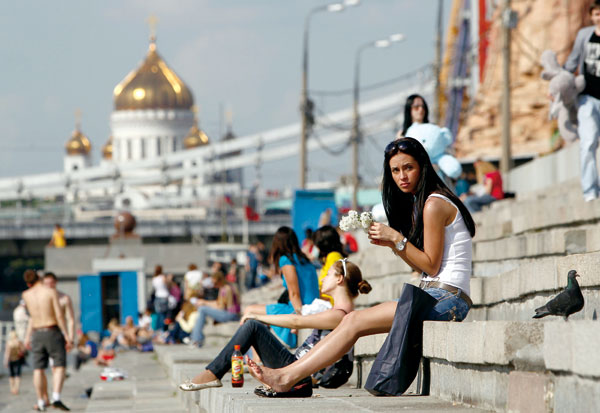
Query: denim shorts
(449, 306)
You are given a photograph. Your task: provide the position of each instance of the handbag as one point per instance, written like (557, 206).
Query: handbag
(284, 298)
(398, 359)
(337, 374)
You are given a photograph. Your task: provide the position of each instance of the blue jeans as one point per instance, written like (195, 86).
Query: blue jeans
(220, 316)
(449, 306)
(475, 202)
(176, 334)
(588, 117)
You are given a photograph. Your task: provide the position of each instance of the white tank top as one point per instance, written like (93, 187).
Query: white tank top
(455, 269)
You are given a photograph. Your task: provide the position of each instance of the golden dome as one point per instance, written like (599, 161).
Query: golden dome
(195, 138)
(78, 144)
(107, 149)
(153, 85)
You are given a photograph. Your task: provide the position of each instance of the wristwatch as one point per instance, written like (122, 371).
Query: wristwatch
(401, 245)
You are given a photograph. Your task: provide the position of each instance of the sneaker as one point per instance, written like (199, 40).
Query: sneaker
(186, 340)
(59, 405)
(590, 197)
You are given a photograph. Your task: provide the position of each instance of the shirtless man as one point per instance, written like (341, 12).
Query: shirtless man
(45, 338)
(66, 305)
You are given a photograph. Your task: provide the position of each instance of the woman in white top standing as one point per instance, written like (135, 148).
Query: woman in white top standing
(430, 229)
(161, 296)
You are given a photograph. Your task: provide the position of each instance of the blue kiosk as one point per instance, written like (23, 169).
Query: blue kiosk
(117, 290)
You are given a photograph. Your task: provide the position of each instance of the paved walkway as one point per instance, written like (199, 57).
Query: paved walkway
(73, 395)
(146, 389)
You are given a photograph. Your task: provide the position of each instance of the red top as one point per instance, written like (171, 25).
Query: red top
(351, 241)
(496, 179)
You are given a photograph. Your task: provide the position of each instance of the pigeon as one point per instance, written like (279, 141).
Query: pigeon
(566, 303)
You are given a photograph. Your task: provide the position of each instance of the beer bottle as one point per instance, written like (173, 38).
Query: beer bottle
(237, 367)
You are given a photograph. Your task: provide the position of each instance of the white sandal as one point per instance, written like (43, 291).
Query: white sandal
(189, 386)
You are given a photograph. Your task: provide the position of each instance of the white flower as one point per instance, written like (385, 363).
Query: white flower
(366, 219)
(345, 224)
(353, 221)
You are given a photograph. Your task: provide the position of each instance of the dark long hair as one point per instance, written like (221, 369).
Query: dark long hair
(405, 211)
(285, 242)
(408, 115)
(327, 240)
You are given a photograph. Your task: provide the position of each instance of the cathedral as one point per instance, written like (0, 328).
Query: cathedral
(154, 115)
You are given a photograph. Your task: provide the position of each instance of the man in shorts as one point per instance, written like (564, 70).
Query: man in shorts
(45, 338)
(65, 302)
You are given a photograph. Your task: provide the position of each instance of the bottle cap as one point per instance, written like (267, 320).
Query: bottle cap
(236, 347)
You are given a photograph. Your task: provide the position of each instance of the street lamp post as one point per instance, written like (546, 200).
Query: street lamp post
(356, 133)
(304, 101)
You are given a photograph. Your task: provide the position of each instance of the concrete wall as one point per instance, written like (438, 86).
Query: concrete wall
(545, 171)
(77, 260)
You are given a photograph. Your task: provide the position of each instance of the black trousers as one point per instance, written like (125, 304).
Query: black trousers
(253, 334)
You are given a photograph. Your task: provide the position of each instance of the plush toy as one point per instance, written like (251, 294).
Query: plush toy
(563, 88)
(436, 140)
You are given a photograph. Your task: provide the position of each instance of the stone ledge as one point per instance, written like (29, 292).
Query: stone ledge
(529, 346)
(533, 276)
(570, 346)
(369, 345)
(501, 343)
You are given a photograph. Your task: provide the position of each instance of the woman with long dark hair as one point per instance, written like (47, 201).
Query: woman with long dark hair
(430, 229)
(415, 110)
(299, 280)
(343, 282)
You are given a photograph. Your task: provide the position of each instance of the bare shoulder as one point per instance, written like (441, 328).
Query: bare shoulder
(63, 297)
(438, 208)
(437, 205)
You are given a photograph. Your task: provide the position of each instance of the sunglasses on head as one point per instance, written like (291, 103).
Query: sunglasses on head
(397, 145)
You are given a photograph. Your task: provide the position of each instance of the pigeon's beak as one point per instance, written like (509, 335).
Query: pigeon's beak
(577, 274)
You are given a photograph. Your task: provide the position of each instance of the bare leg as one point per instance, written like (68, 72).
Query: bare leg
(58, 378)
(11, 384)
(40, 384)
(17, 384)
(357, 324)
(204, 377)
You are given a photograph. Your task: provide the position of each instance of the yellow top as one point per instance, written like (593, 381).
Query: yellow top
(153, 85)
(332, 258)
(58, 238)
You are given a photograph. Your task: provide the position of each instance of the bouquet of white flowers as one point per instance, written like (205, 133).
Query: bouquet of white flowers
(354, 221)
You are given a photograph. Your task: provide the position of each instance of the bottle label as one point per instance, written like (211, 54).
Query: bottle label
(237, 366)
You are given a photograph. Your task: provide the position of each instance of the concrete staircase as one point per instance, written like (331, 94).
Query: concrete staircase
(500, 358)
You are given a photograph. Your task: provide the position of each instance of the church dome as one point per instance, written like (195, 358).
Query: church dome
(107, 149)
(195, 138)
(153, 85)
(78, 144)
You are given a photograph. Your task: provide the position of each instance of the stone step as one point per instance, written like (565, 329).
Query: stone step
(229, 399)
(516, 217)
(558, 241)
(515, 366)
(384, 289)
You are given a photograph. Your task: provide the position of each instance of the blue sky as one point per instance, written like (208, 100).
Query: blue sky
(58, 56)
